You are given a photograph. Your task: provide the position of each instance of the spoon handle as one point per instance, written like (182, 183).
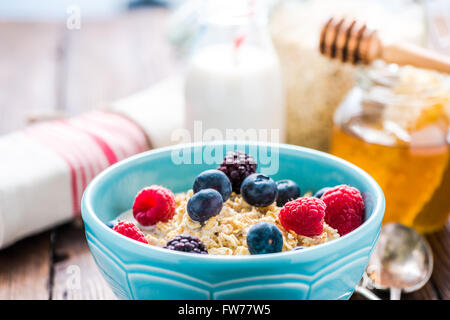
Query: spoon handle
(366, 293)
(395, 293)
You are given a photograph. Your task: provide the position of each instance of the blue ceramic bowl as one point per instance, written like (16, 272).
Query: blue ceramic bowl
(138, 271)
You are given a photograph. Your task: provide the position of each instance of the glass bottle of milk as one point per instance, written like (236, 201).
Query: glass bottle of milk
(233, 87)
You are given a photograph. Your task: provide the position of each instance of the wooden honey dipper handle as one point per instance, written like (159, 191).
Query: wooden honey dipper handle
(404, 54)
(351, 41)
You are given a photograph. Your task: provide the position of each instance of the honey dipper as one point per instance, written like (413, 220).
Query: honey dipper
(349, 40)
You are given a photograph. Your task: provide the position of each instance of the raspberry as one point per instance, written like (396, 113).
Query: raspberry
(186, 243)
(237, 165)
(304, 216)
(345, 208)
(154, 204)
(129, 229)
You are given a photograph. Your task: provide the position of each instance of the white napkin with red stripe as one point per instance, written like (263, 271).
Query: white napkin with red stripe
(46, 167)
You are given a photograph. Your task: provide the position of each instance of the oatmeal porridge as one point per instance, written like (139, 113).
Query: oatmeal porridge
(233, 210)
(226, 233)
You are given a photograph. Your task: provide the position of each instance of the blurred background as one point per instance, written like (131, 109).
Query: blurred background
(52, 65)
(60, 59)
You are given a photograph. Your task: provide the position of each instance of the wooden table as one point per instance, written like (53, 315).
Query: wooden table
(44, 67)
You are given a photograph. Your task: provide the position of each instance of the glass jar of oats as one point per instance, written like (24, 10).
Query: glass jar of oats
(315, 85)
(394, 124)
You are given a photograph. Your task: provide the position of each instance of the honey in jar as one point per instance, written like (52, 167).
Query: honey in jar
(394, 124)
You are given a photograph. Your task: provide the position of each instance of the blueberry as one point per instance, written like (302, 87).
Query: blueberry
(259, 190)
(264, 237)
(287, 190)
(213, 179)
(204, 204)
(112, 223)
(320, 193)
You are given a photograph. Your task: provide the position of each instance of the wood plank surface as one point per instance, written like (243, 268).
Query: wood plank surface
(28, 64)
(75, 274)
(25, 269)
(110, 59)
(440, 243)
(28, 71)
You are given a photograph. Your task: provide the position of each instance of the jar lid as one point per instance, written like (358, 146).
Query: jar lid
(411, 98)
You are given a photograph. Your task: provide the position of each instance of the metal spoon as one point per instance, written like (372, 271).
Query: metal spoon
(401, 261)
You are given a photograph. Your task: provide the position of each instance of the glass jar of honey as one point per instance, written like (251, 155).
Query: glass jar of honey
(394, 124)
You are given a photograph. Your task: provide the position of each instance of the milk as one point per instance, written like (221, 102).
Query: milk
(235, 88)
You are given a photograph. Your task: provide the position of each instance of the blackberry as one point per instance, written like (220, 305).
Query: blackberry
(186, 243)
(237, 165)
